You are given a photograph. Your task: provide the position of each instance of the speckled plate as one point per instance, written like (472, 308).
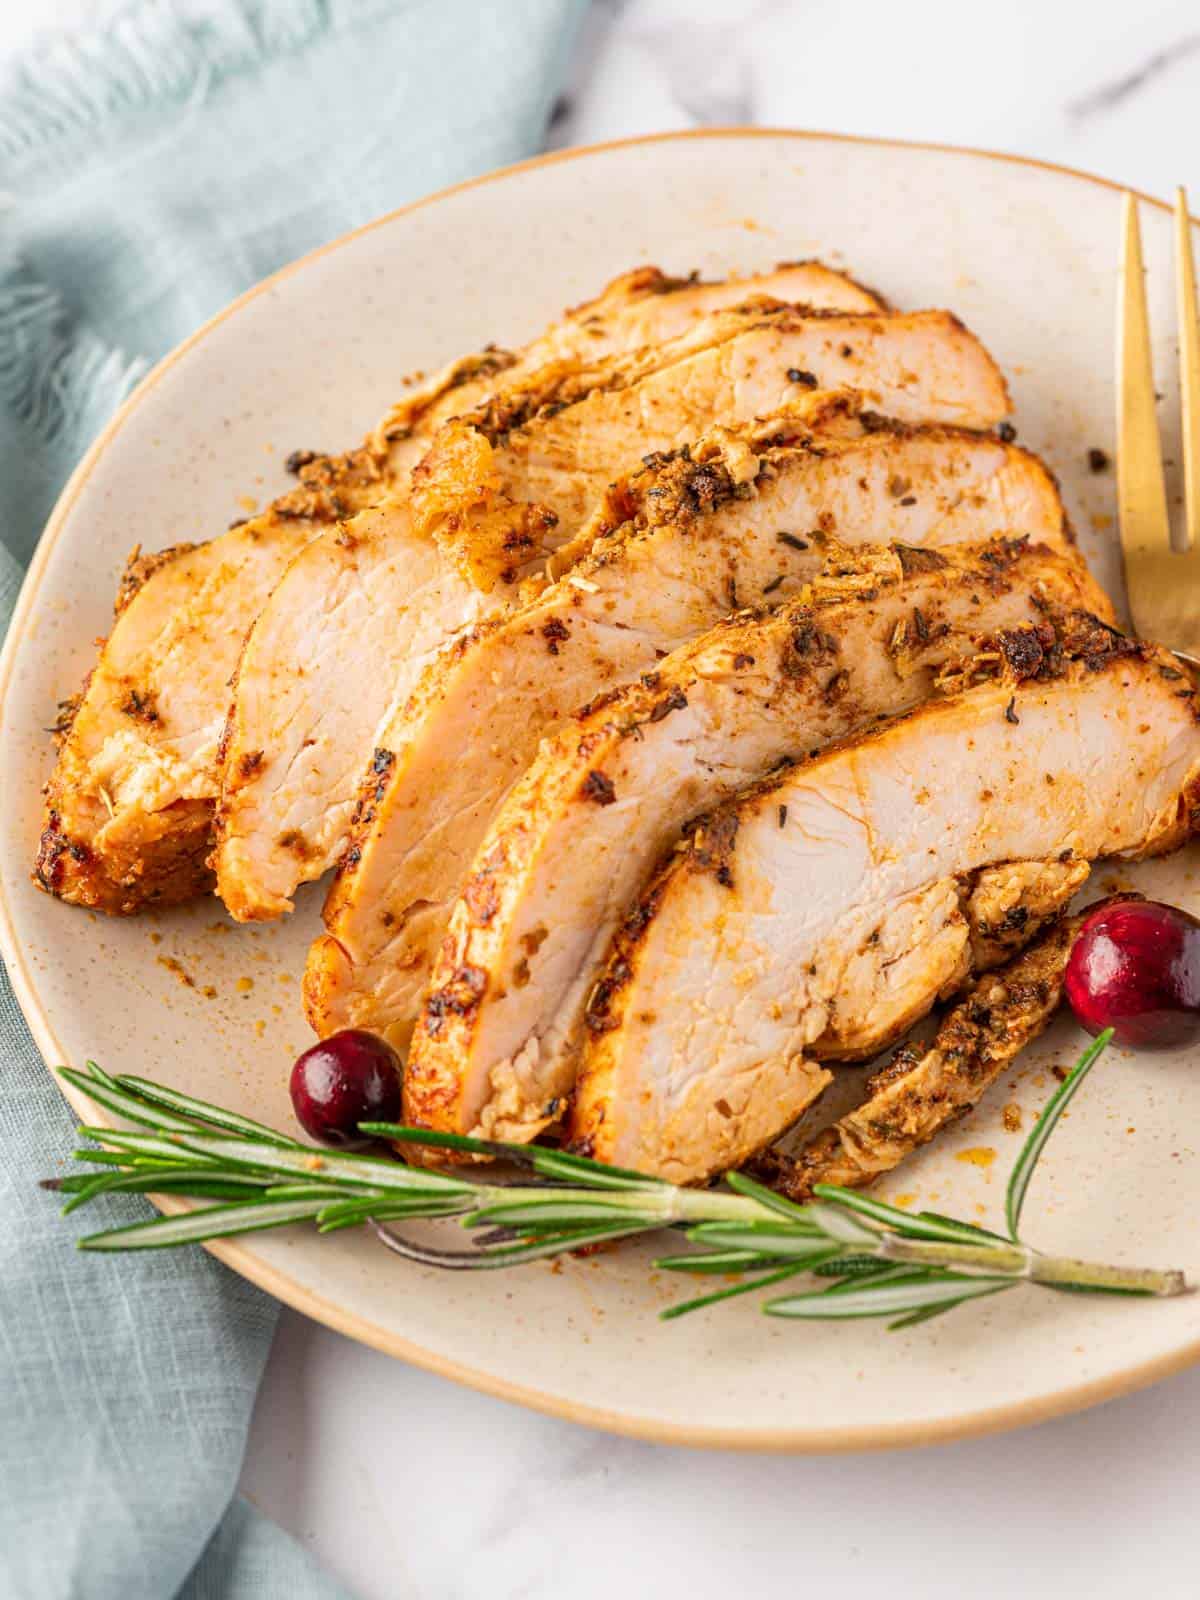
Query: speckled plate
(1025, 254)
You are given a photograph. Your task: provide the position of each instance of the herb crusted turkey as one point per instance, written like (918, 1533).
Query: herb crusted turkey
(610, 792)
(129, 805)
(821, 914)
(707, 533)
(347, 633)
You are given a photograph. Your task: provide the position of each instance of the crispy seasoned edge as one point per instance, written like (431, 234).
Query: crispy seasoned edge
(679, 490)
(66, 865)
(920, 1091)
(640, 282)
(172, 866)
(681, 485)
(140, 568)
(455, 493)
(570, 770)
(163, 872)
(711, 846)
(331, 488)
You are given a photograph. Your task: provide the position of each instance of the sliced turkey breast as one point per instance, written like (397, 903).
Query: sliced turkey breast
(716, 538)
(326, 665)
(128, 807)
(923, 1089)
(129, 804)
(611, 792)
(510, 482)
(646, 306)
(823, 913)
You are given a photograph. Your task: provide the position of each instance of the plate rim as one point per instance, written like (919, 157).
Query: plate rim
(298, 1296)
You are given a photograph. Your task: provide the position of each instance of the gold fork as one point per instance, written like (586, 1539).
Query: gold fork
(1163, 584)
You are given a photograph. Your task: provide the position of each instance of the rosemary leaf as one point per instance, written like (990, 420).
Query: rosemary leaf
(883, 1272)
(158, 1149)
(774, 1241)
(71, 1184)
(927, 1313)
(843, 1266)
(832, 1219)
(558, 1164)
(763, 1281)
(552, 1163)
(1058, 1102)
(327, 1192)
(213, 1222)
(574, 1208)
(753, 1190)
(338, 1215)
(965, 1232)
(96, 1071)
(200, 1110)
(886, 1299)
(912, 1224)
(108, 1158)
(126, 1105)
(94, 1186)
(715, 1261)
(306, 1164)
(198, 1182)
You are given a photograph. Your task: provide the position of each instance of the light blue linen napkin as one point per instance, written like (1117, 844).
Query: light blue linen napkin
(148, 173)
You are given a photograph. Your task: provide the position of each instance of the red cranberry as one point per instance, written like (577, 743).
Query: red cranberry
(1135, 968)
(351, 1077)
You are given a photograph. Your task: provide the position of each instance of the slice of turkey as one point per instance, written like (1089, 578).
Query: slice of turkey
(517, 477)
(345, 636)
(129, 805)
(447, 758)
(612, 791)
(924, 1089)
(823, 913)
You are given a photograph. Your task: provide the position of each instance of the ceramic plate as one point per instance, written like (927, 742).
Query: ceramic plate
(1025, 254)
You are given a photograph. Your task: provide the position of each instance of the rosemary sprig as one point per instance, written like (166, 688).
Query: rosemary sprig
(868, 1258)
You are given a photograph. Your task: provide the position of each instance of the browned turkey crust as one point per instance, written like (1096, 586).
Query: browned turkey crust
(559, 866)
(819, 917)
(707, 533)
(130, 803)
(923, 1090)
(343, 639)
(488, 492)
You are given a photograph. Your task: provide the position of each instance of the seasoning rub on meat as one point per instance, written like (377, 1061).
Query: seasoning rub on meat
(612, 791)
(708, 532)
(347, 633)
(923, 1089)
(129, 805)
(765, 947)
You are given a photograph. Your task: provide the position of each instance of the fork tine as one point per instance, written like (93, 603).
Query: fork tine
(1189, 365)
(1141, 490)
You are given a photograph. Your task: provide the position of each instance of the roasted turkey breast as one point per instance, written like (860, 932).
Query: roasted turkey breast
(344, 638)
(924, 1088)
(510, 481)
(128, 807)
(824, 912)
(713, 537)
(611, 791)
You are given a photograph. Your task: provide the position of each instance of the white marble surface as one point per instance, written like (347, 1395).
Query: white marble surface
(404, 1485)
